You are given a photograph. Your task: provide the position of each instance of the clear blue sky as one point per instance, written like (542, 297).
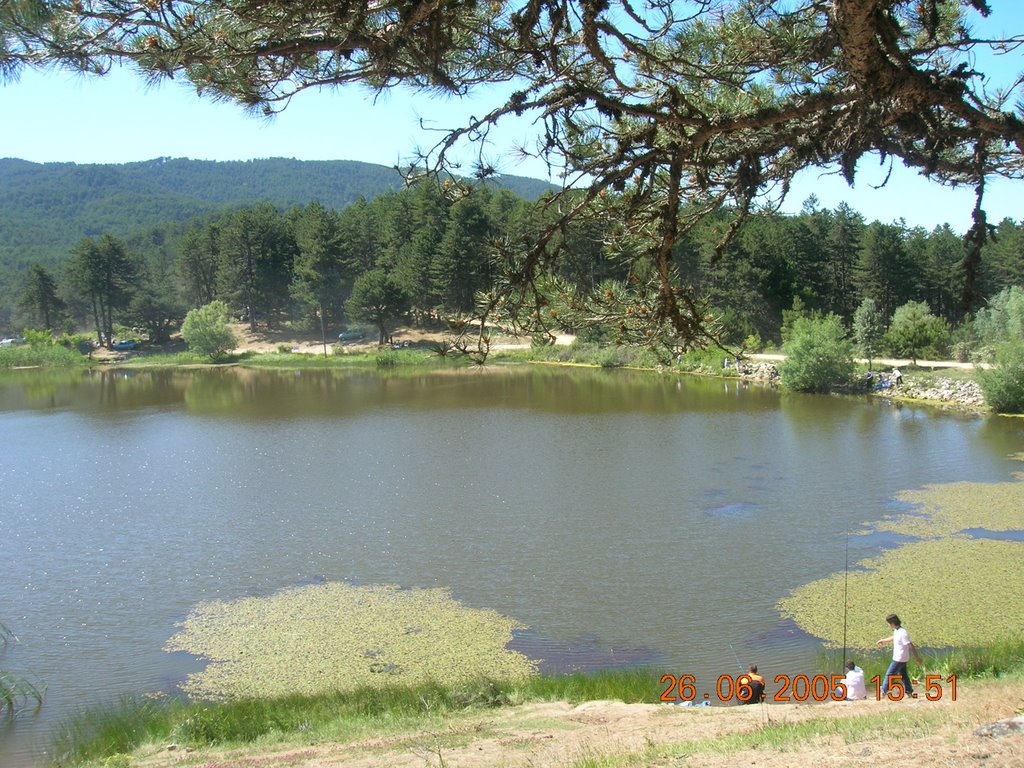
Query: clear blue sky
(59, 117)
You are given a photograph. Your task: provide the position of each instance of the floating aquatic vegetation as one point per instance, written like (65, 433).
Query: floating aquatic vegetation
(334, 636)
(949, 588)
(953, 507)
(949, 592)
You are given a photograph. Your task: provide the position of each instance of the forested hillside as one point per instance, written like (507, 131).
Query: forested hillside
(281, 241)
(46, 208)
(427, 252)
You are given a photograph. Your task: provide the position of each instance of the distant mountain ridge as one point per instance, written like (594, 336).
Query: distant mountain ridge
(45, 208)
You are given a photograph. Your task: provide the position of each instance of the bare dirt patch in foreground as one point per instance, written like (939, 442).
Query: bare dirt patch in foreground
(909, 733)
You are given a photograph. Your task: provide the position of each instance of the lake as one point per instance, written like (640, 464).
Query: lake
(626, 518)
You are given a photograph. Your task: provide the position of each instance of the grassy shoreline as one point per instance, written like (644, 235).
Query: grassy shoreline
(121, 733)
(703, 362)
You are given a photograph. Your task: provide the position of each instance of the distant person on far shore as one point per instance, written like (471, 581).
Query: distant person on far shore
(897, 377)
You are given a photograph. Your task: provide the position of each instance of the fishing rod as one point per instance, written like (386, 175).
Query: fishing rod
(738, 663)
(743, 674)
(846, 604)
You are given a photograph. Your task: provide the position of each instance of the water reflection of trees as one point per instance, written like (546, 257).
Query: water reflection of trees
(88, 389)
(312, 393)
(280, 393)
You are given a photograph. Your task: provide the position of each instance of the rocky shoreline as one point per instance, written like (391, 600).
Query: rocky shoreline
(948, 391)
(955, 392)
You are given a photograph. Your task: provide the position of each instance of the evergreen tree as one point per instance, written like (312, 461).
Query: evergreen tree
(731, 281)
(769, 246)
(943, 279)
(882, 273)
(808, 233)
(842, 247)
(199, 263)
(392, 218)
(460, 266)
(257, 250)
(39, 298)
(157, 302)
(103, 272)
(377, 298)
(359, 237)
(868, 330)
(428, 211)
(1003, 258)
(914, 331)
(319, 272)
(156, 307)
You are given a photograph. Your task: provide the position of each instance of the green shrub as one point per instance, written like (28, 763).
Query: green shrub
(1003, 319)
(753, 343)
(1003, 385)
(387, 358)
(609, 358)
(961, 351)
(25, 356)
(80, 342)
(790, 316)
(705, 361)
(819, 357)
(36, 338)
(206, 331)
(914, 332)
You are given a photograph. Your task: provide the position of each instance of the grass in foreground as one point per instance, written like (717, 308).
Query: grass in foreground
(1000, 659)
(779, 737)
(131, 724)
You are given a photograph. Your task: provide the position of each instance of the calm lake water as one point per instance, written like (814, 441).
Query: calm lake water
(626, 518)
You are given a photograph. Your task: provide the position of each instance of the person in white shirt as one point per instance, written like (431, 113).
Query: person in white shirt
(854, 682)
(901, 650)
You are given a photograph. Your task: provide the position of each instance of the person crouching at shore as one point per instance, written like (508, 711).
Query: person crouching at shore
(853, 682)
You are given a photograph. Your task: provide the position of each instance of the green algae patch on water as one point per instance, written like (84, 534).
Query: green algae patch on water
(953, 591)
(945, 509)
(336, 636)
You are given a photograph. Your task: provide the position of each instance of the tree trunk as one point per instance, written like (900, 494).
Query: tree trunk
(96, 322)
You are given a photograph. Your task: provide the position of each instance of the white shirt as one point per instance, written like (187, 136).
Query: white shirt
(854, 682)
(900, 645)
